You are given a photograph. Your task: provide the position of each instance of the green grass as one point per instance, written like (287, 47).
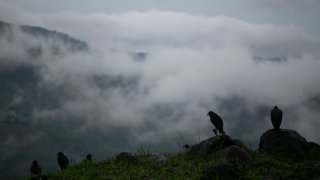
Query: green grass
(281, 166)
(186, 166)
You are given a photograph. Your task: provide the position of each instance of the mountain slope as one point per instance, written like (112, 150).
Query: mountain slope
(25, 52)
(39, 32)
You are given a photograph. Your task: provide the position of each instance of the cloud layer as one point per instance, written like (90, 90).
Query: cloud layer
(103, 101)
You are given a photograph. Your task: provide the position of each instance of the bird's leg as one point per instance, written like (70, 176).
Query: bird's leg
(215, 132)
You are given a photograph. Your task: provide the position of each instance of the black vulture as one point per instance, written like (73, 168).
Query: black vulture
(217, 122)
(276, 117)
(63, 161)
(89, 157)
(35, 168)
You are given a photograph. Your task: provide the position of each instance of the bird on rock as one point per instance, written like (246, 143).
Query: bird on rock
(217, 122)
(276, 117)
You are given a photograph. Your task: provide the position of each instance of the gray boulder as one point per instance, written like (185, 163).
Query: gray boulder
(283, 140)
(239, 143)
(211, 145)
(158, 159)
(126, 156)
(234, 153)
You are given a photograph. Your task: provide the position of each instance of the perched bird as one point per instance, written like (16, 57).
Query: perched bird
(63, 161)
(35, 168)
(276, 117)
(217, 122)
(186, 146)
(89, 157)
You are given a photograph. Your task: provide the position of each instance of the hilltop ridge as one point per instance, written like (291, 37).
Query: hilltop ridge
(70, 42)
(218, 157)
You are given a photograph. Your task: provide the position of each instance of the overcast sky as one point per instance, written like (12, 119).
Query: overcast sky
(303, 13)
(198, 56)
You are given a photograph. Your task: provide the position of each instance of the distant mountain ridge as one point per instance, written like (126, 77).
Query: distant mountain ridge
(70, 42)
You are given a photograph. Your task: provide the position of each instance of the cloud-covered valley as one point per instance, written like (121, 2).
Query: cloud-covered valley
(148, 79)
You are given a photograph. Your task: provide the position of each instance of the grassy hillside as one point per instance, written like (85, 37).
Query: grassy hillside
(187, 166)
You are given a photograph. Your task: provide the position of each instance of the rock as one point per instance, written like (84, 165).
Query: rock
(158, 159)
(313, 146)
(240, 144)
(186, 146)
(222, 171)
(283, 140)
(125, 156)
(212, 145)
(234, 153)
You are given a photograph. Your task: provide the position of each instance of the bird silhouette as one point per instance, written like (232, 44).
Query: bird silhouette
(35, 168)
(89, 157)
(276, 117)
(62, 160)
(217, 122)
